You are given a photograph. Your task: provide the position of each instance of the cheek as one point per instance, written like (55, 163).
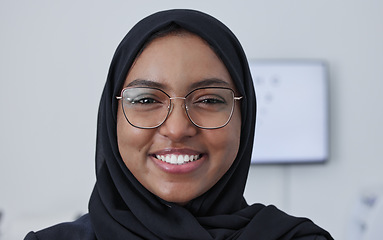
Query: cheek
(234, 136)
(224, 143)
(132, 142)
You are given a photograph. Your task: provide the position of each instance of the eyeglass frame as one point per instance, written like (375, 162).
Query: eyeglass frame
(170, 106)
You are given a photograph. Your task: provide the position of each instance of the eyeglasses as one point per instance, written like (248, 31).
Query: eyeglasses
(207, 108)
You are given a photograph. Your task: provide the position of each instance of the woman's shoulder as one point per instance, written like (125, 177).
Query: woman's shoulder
(80, 229)
(269, 217)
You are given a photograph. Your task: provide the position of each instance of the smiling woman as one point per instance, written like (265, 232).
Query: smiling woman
(174, 140)
(176, 63)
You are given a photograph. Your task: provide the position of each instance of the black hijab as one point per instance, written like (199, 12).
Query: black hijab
(121, 208)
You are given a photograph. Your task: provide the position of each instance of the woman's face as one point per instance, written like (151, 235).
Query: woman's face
(177, 64)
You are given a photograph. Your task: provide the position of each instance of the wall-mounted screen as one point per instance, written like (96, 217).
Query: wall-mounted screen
(292, 111)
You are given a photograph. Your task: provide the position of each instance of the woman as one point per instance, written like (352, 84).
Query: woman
(174, 141)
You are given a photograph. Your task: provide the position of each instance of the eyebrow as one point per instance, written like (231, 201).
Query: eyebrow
(209, 82)
(146, 83)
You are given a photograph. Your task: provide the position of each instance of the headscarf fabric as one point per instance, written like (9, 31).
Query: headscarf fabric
(121, 208)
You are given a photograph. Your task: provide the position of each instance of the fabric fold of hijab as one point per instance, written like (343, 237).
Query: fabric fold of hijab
(121, 208)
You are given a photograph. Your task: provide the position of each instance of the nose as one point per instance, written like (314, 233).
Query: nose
(177, 126)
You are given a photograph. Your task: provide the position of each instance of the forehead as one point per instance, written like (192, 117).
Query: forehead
(178, 62)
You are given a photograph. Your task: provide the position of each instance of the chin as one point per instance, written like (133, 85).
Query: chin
(177, 197)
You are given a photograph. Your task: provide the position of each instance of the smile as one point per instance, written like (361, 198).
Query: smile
(177, 159)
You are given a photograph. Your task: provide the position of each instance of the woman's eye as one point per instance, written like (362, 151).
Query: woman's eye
(144, 101)
(209, 104)
(147, 101)
(211, 101)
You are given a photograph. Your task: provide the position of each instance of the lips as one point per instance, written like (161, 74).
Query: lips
(178, 159)
(177, 156)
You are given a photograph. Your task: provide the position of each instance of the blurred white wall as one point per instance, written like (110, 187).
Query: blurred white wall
(54, 57)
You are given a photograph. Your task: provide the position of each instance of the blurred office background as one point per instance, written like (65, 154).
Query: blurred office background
(54, 57)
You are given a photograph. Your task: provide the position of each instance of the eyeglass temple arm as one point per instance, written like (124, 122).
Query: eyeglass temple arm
(238, 98)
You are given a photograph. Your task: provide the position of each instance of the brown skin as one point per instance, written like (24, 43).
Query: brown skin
(176, 62)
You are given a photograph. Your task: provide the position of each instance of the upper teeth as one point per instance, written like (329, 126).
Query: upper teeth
(177, 159)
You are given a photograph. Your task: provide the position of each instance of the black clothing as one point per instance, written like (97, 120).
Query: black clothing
(79, 229)
(121, 208)
(82, 228)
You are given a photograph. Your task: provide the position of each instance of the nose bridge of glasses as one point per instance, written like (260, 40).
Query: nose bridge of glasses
(172, 103)
(173, 98)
